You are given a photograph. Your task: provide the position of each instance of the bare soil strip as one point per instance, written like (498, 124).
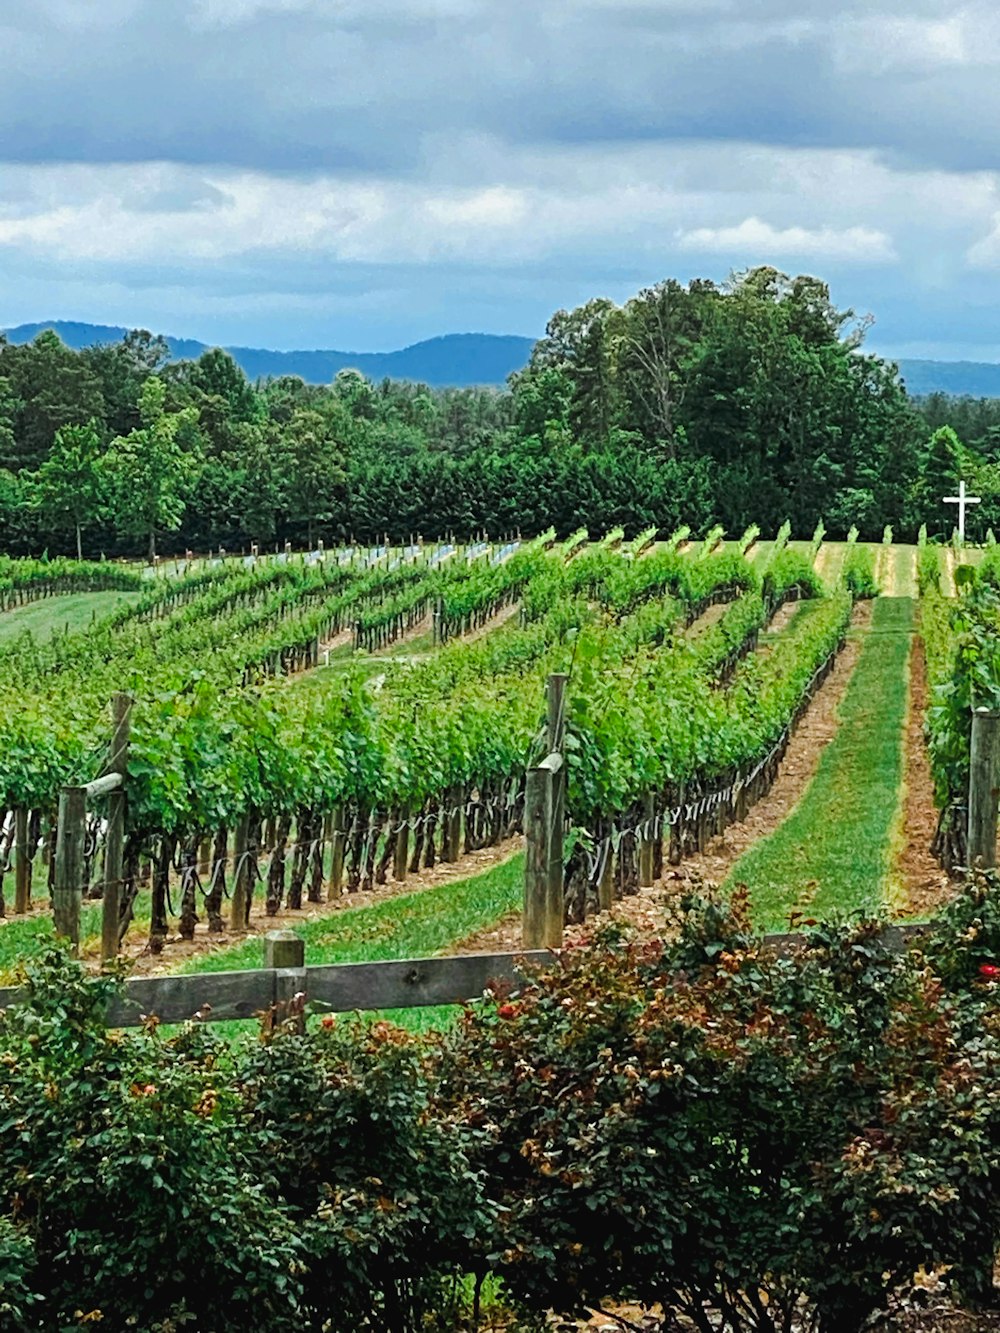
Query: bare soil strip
(176, 951)
(925, 886)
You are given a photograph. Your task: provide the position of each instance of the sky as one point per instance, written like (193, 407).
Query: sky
(361, 174)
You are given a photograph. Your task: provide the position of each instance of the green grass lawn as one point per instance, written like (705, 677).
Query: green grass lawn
(833, 852)
(52, 615)
(412, 925)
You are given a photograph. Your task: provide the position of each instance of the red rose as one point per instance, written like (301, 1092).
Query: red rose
(328, 1021)
(507, 1011)
(989, 970)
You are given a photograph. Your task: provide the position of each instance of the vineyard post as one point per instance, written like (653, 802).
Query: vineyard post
(22, 881)
(606, 883)
(535, 932)
(984, 780)
(556, 700)
(241, 879)
(401, 849)
(114, 844)
(67, 891)
(336, 882)
(646, 843)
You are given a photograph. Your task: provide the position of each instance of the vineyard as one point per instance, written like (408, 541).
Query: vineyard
(462, 745)
(303, 728)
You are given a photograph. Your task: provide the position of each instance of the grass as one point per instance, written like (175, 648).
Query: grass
(53, 615)
(833, 852)
(412, 925)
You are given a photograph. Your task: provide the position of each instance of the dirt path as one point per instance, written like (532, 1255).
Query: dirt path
(644, 910)
(177, 951)
(709, 617)
(923, 883)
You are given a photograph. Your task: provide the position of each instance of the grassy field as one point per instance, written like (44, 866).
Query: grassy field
(54, 615)
(832, 854)
(412, 925)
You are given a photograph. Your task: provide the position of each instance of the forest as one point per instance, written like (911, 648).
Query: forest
(704, 404)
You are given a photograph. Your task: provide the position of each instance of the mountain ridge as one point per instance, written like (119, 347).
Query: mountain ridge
(451, 360)
(460, 360)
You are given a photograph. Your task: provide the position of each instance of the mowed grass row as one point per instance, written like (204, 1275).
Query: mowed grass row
(407, 925)
(54, 615)
(833, 854)
(411, 925)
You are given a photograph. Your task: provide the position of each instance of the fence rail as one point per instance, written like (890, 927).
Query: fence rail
(285, 984)
(213, 997)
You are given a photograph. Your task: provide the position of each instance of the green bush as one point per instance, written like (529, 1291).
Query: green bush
(752, 1136)
(754, 1139)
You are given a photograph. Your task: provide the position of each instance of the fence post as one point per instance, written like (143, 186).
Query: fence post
(285, 955)
(67, 890)
(335, 884)
(114, 843)
(241, 877)
(984, 777)
(556, 708)
(646, 843)
(22, 880)
(401, 847)
(535, 933)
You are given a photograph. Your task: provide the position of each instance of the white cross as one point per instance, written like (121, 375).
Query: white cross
(961, 499)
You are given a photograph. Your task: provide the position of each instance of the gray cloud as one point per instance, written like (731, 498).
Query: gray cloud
(265, 170)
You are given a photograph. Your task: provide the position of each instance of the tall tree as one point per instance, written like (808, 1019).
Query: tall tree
(314, 469)
(150, 469)
(67, 488)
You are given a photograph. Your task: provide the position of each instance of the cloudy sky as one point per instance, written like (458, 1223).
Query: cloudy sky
(364, 173)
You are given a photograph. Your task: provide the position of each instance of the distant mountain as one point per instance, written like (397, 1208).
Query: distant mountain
(973, 379)
(462, 359)
(456, 359)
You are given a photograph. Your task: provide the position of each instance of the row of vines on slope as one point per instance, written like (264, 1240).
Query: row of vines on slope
(433, 761)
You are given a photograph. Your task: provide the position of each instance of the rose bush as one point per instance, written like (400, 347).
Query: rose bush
(753, 1138)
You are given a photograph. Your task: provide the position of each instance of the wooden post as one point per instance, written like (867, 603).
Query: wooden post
(401, 849)
(22, 881)
(606, 883)
(984, 779)
(556, 707)
(114, 844)
(335, 884)
(67, 891)
(241, 877)
(285, 953)
(451, 823)
(537, 828)
(646, 844)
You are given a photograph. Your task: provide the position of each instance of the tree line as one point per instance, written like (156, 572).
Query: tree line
(749, 401)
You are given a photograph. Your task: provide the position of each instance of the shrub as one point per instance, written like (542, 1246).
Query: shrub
(377, 1178)
(118, 1161)
(758, 1136)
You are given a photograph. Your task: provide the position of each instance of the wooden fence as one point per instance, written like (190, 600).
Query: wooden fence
(284, 986)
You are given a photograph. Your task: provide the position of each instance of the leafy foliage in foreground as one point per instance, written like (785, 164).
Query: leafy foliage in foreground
(704, 1124)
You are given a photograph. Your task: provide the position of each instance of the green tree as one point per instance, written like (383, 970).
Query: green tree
(150, 469)
(314, 468)
(67, 489)
(53, 386)
(942, 470)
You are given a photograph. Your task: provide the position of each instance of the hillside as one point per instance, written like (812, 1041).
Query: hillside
(455, 359)
(973, 379)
